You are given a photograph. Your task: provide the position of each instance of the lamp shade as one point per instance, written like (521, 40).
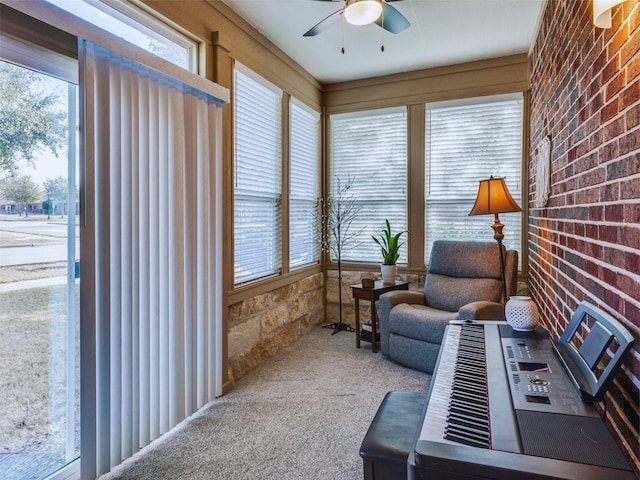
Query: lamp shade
(362, 12)
(494, 197)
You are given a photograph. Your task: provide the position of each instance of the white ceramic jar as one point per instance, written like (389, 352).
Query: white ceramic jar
(521, 313)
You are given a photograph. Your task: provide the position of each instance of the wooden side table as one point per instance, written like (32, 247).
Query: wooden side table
(372, 295)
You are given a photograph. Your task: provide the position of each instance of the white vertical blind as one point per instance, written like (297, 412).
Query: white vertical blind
(371, 148)
(467, 142)
(304, 189)
(258, 177)
(151, 208)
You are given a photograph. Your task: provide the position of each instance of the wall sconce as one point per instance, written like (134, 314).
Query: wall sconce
(602, 12)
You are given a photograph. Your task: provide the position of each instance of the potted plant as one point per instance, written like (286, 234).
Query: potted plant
(390, 246)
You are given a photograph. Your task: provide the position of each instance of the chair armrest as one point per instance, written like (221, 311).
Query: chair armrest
(396, 297)
(481, 311)
(386, 302)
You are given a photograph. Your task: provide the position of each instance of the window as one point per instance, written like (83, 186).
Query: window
(150, 197)
(304, 185)
(467, 142)
(39, 318)
(371, 148)
(135, 26)
(257, 182)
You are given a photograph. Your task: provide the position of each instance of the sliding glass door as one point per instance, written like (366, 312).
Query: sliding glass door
(39, 280)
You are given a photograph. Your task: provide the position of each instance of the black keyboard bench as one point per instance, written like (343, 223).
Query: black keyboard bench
(385, 448)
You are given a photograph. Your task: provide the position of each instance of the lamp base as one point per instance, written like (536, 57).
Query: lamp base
(499, 236)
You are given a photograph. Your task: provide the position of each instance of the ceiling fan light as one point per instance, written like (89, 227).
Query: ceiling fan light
(362, 12)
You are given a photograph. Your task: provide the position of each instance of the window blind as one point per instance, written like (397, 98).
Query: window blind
(257, 183)
(371, 148)
(466, 143)
(304, 185)
(151, 301)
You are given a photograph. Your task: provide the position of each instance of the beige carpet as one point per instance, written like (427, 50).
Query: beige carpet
(302, 415)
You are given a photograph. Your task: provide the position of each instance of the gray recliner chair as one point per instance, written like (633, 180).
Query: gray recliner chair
(463, 282)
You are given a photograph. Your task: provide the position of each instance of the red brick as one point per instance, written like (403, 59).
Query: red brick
(630, 237)
(632, 264)
(629, 143)
(609, 151)
(618, 40)
(630, 48)
(611, 298)
(592, 128)
(630, 95)
(634, 17)
(615, 86)
(609, 111)
(632, 117)
(614, 213)
(594, 87)
(632, 313)
(633, 69)
(608, 233)
(618, 169)
(596, 213)
(584, 114)
(631, 212)
(630, 190)
(610, 69)
(615, 128)
(610, 192)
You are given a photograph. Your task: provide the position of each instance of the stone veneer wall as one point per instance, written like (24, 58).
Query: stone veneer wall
(263, 325)
(585, 243)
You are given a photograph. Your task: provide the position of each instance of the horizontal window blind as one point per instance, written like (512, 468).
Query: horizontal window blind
(304, 186)
(371, 148)
(466, 144)
(257, 183)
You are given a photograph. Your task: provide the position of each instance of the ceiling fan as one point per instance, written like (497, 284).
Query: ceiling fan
(364, 12)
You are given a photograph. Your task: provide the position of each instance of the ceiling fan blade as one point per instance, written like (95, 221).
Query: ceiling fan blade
(324, 24)
(392, 20)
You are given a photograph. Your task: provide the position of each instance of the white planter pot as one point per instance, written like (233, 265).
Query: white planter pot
(521, 313)
(389, 273)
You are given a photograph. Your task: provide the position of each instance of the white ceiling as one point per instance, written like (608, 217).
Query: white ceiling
(442, 32)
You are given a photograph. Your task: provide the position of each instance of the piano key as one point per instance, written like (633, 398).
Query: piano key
(468, 421)
(467, 439)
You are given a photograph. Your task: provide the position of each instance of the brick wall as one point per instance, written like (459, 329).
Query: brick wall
(585, 243)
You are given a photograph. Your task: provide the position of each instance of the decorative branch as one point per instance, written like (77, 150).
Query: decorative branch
(341, 210)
